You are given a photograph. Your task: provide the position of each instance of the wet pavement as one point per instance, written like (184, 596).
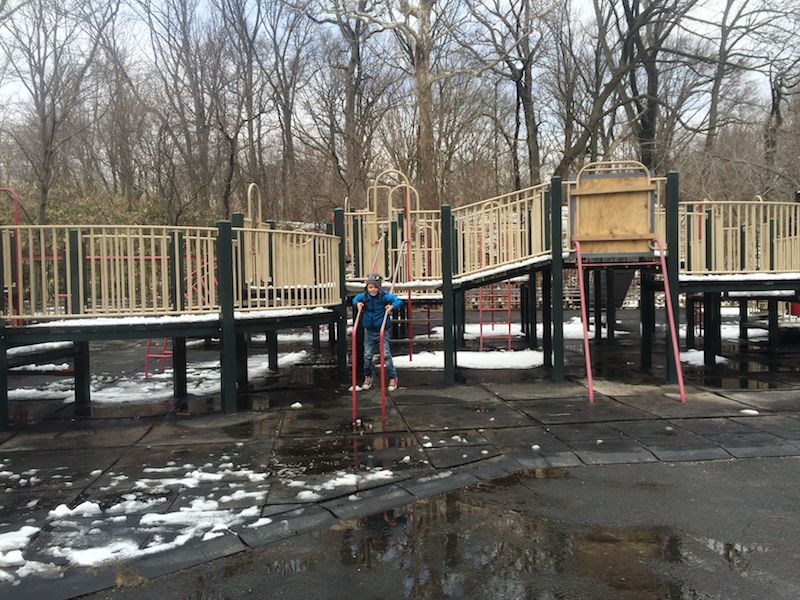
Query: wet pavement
(505, 485)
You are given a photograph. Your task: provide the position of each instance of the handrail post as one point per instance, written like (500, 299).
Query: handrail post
(672, 274)
(227, 321)
(557, 274)
(448, 304)
(341, 310)
(75, 300)
(4, 407)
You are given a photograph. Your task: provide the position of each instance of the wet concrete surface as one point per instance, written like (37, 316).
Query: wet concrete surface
(504, 485)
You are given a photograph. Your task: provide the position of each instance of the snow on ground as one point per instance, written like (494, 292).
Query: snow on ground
(696, 358)
(202, 379)
(573, 330)
(523, 359)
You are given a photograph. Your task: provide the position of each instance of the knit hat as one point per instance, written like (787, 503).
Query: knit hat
(373, 278)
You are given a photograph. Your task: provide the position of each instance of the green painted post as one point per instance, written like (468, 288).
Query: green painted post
(709, 244)
(237, 223)
(75, 300)
(673, 266)
(772, 244)
(177, 277)
(357, 241)
(3, 307)
(743, 320)
(448, 303)
(772, 323)
(547, 318)
(83, 378)
(690, 321)
(611, 306)
(533, 317)
(341, 311)
(227, 334)
(689, 225)
(4, 407)
(646, 310)
(598, 305)
(557, 291)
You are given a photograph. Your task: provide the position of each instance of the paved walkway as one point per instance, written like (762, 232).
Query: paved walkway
(160, 494)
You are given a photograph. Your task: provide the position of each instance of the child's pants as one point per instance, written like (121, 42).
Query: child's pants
(372, 340)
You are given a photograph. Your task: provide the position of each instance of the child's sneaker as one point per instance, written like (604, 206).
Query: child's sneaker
(392, 385)
(367, 383)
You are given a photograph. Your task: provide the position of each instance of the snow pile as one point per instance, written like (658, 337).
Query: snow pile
(523, 359)
(696, 358)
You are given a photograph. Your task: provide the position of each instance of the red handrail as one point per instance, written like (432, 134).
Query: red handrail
(585, 323)
(354, 358)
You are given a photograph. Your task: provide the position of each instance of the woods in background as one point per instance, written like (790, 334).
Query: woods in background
(163, 111)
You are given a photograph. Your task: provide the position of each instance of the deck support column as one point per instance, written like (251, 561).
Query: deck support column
(743, 320)
(179, 383)
(647, 319)
(691, 306)
(598, 306)
(4, 407)
(237, 221)
(557, 282)
(342, 372)
(227, 322)
(712, 341)
(448, 300)
(671, 276)
(82, 380)
(461, 318)
(271, 338)
(772, 320)
(611, 306)
(547, 318)
(533, 333)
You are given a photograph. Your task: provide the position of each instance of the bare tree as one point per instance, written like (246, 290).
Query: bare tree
(52, 47)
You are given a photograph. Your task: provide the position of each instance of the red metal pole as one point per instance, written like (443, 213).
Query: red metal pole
(673, 333)
(585, 323)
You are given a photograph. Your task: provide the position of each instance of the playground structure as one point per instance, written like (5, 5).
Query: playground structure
(83, 283)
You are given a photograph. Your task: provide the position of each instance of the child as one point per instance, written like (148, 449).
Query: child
(375, 302)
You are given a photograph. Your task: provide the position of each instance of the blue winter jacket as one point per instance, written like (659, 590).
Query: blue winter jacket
(375, 307)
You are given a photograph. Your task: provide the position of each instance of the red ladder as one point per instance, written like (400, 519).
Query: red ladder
(164, 354)
(661, 263)
(487, 304)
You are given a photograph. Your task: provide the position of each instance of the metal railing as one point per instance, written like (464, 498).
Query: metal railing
(285, 269)
(501, 231)
(730, 237)
(55, 271)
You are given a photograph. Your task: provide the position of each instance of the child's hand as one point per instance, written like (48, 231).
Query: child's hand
(389, 308)
(360, 306)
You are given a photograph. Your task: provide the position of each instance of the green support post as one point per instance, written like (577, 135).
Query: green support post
(4, 407)
(460, 313)
(773, 330)
(448, 303)
(743, 320)
(646, 314)
(711, 328)
(357, 233)
(271, 338)
(227, 334)
(598, 306)
(690, 321)
(672, 260)
(82, 380)
(557, 270)
(237, 222)
(75, 300)
(547, 318)
(611, 306)
(532, 316)
(177, 276)
(341, 311)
